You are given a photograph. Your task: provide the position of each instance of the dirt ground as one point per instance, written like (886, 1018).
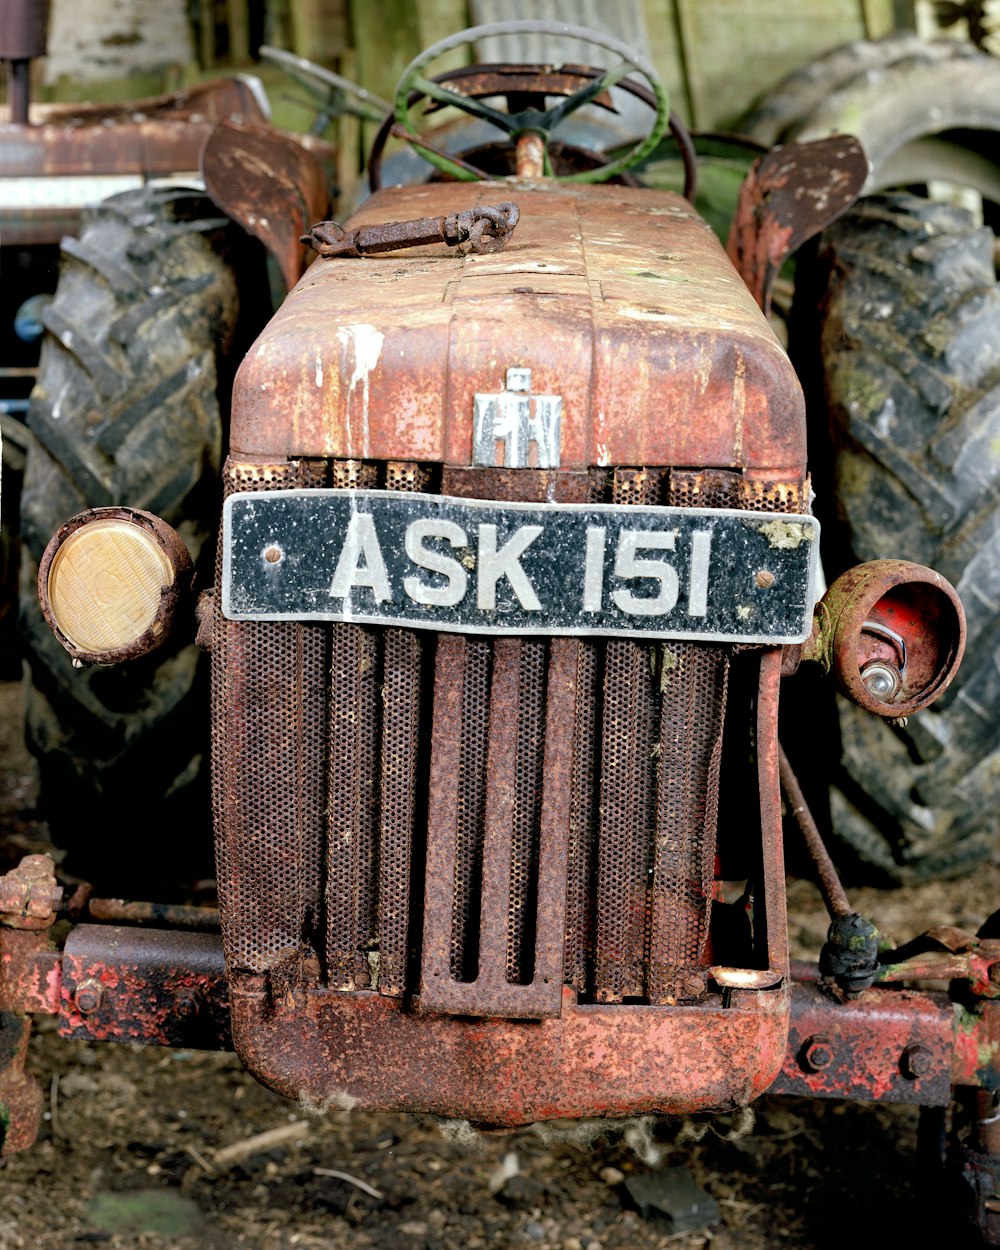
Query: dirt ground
(154, 1149)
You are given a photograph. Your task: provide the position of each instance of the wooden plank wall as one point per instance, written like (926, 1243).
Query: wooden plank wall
(715, 56)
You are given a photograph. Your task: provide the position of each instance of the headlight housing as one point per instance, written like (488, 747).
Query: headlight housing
(110, 582)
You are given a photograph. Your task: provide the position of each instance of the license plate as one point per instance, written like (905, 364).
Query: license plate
(477, 567)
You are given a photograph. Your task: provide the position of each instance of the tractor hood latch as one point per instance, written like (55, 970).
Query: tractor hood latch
(486, 229)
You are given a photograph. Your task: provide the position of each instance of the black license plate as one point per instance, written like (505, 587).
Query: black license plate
(472, 566)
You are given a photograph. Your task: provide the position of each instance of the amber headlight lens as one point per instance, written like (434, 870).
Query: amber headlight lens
(109, 583)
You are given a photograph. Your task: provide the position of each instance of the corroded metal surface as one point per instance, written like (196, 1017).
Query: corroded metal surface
(790, 194)
(20, 1093)
(946, 954)
(486, 229)
(168, 915)
(145, 138)
(30, 972)
(888, 1046)
(274, 184)
(154, 986)
(161, 135)
(232, 96)
(29, 895)
(367, 1051)
(828, 879)
(618, 300)
(771, 925)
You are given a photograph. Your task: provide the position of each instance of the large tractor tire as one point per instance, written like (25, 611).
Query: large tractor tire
(126, 411)
(910, 347)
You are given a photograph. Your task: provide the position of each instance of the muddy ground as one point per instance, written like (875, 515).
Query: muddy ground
(154, 1149)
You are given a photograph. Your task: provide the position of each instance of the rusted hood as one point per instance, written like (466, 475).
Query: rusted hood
(619, 301)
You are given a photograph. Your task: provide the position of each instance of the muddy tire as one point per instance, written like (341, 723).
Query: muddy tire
(910, 347)
(125, 411)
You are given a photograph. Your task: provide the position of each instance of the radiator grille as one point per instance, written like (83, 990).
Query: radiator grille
(577, 780)
(270, 749)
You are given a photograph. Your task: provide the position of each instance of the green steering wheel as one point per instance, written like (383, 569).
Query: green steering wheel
(530, 120)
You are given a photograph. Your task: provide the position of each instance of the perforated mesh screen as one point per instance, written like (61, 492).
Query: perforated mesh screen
(402, 669)
(580, 898)
(350, 919)
(269, 703)
(692, 682)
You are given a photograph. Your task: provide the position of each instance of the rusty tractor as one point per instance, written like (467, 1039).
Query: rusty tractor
(515, 554)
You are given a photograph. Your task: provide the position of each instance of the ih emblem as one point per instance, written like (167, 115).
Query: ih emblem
(517, 419)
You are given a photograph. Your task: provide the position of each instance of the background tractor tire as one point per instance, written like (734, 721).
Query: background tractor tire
(910, 366)
(126, 411)
(923, 110)
(775, 116)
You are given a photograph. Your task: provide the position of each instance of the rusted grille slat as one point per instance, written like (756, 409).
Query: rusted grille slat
(399, 773)
(624, 856)
(693, 694)
(269, 712)
(445, 908)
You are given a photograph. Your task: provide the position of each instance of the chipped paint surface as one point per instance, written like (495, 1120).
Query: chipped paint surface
(364, 343)
(786, 535)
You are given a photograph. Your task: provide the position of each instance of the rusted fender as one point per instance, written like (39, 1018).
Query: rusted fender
(790, 194)
(273, 183)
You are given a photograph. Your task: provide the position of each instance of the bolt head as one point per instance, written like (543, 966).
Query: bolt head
(693, 986)
(186, 1004)
(88, 997)
(916, 1061)
(817, 1053)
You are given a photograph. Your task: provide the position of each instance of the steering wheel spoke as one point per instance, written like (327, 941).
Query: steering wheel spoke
(559, 112)
(468, 104)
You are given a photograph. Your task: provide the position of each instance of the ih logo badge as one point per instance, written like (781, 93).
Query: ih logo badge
(517, 419)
